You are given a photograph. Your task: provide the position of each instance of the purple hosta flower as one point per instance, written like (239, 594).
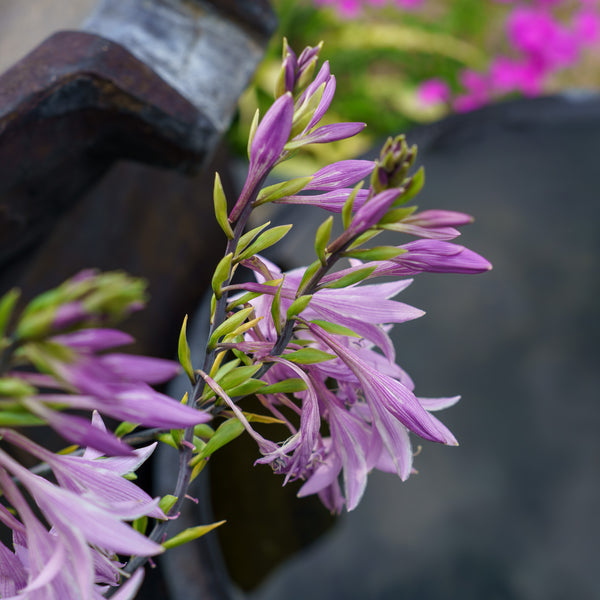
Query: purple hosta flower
(75, 558)
(434, 224)
(366, 399)
(115, 384)
(70, 314)
(346, 451)
(333, 201)
(333, 180)
(266, 149)
(421, 256)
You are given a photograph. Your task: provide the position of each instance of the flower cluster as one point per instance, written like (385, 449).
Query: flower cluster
(53, 360)
(350, 9)
(541, 45)
(313, 344)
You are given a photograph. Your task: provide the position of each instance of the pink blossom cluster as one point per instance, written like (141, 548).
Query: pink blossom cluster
(541, 45)
(350, 9)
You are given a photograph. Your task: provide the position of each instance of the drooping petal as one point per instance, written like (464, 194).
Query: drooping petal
(140, 368)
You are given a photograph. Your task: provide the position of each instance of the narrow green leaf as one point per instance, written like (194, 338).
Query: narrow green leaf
(376, 253)
(238, 376)
(322, 239)
(243, 300)
(308, 356)
(276, 309)
(190, 534)
(220, 202)
(252, 386)
(298, 305)
(124, 428)
(249, 236)
(304, 113)
(254, 418)
(18, 419)
(308, 274)
(204, 431)
(280, 190)
(140, 524)
(167, 502)
(264, 240)
(221, 274)
(351, 278)
(364, 237)
(335, 328)
(229, 325)
(227, 432)
(252, 131)
(397, 214)
(184, 353)
(349, 205)
(14, 387)
(7, 305)
(224, 369)
(414, 186)
(285, 386)
(167, 438)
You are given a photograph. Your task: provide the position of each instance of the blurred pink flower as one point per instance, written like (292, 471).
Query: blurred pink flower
(433, 91)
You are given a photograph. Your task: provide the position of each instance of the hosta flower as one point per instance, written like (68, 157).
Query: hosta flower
(115, 384)
(86, 509)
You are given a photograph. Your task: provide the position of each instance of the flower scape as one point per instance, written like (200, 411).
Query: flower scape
(312, 344)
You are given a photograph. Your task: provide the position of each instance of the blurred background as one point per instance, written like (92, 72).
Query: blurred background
(501, 99)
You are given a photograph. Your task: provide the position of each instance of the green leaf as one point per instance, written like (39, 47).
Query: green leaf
(276, 308)
(397, 214)
(252, 131)
(184, 353)
(124, 428)
(376, 253)
(227, 432)
(167, 438)
(308, 356)
(285, 386)
(349, 204)
(363, 238)
(167, 502)
(221, 274)
(238, 376)
(243, 300)
(220, 202)
(190, 534)
(264, 240)
(18, 419)
(414, 186)
(335, 328)
(308, 274)
(229, 325)
(252, 386)
(304, 113)
(249, 236)
(140, 524)
(280, 190)
(15, 387)
(298, 305)
(35, 324)
(204, 431)
(254, 418)
(351, 278)
(322, 239)
(7, 305)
